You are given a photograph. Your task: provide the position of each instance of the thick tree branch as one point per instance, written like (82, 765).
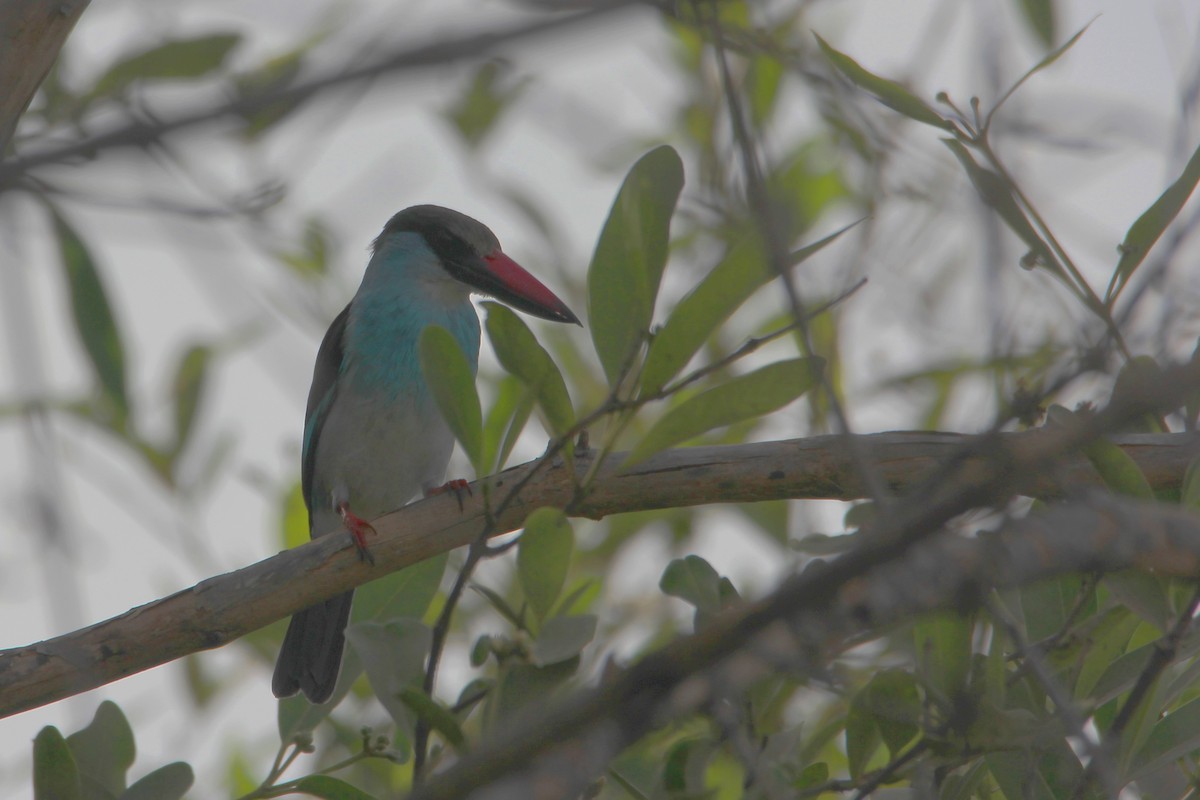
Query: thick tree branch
(221, 609)
(31, 34)
(557, 753)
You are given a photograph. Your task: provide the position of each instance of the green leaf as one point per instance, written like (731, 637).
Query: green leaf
(693, 580)
(889, 92)
(311, 258)
(476, 112)
(891, 697)
(742, 271)
(434, 714)
(862, 739)
(93, 316)
(393, 656)
(1147, 229)
(997, 194)
(520, 354)
(104, 750)
(943, 648)
(744, 397)
(563, 638)
(170, 782)
(190, 378)
(522, 684)
(543, 557)
(1118, 470)
(1049, 59)
(55, 774)
(510, 409)
(1190, 493)
(293, 519)
(177, 59)
(1039, 14)
(451, 379)
(406, 593)
(630, 255)
(328, 787)
(1172, 737)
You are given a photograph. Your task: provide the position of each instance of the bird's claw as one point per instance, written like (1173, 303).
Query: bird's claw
(458, 486)
(358, 528)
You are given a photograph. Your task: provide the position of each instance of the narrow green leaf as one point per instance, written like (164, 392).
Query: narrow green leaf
(435, 715)
(55, 774)
(743, 271)
(1171, 738)
(190, 378)
(1147, 229)
(543, 557)
(105, 750)
(891, 697)
(862, 739)
(630, 255)
(693, 580)
(293, 518)
(170, 782)
(1039, 14)
(744, 397)
(563, 638)
(997, 194)
(451, 379)
(520, 354)
(93, 316)
(328, 787)
(509, 391)
(177, 59)
(890, 93)
(1049, 59)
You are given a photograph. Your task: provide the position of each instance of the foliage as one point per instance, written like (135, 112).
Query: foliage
(707, 321)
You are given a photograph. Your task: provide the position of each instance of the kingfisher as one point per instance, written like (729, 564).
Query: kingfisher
(373, 435)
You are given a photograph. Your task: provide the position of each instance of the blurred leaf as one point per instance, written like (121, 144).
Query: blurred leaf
(997, 194)
(478, 109)
(190, 378)
(562, 638)
(1047, 605)
(1190, 493)
(510, 393)
(1144, 594)
(763, 79)
(170, 782)
(328, 787)
(522, 684)
(741, 398)
(520, 354)
(889, 92)
(179, 59)
(1172, 737)
(451, 379)
(393, 654)
(1146, 230)
(693, 580)
(272, 76)
(862, 739)
(293, 521)
(311, 258)
(891, 697)
(104, 750)
(1039, 14)
(501, 605)
(1046, 61)
(629, 259)
(742, 271)
(55, 774)
(1118, 470)
(93, 316)
(434, 714)
(579, 599)
(943, 648)
(405, 593)
(543, 558)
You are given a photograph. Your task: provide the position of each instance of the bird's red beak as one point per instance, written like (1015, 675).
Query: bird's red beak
(508, 281)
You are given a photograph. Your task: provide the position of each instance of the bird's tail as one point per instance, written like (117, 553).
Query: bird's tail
(311, 656)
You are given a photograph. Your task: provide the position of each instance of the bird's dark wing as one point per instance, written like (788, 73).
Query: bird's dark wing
(320, 400)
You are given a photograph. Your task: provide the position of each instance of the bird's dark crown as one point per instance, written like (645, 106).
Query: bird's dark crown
(447, 231)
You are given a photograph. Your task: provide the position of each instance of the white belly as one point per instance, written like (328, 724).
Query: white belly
(376, 455)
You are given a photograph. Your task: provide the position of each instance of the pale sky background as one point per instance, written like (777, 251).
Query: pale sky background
(356, 163)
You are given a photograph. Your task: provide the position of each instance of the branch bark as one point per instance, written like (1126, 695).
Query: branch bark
(220, 609)
(31, 34)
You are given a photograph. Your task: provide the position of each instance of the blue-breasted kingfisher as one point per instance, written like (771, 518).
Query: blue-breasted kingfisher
(373, 435)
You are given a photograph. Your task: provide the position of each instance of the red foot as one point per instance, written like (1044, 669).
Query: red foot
(358, 528)
(458, 486)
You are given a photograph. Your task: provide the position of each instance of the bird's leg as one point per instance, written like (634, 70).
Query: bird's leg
(358, 528)
(458, 486)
